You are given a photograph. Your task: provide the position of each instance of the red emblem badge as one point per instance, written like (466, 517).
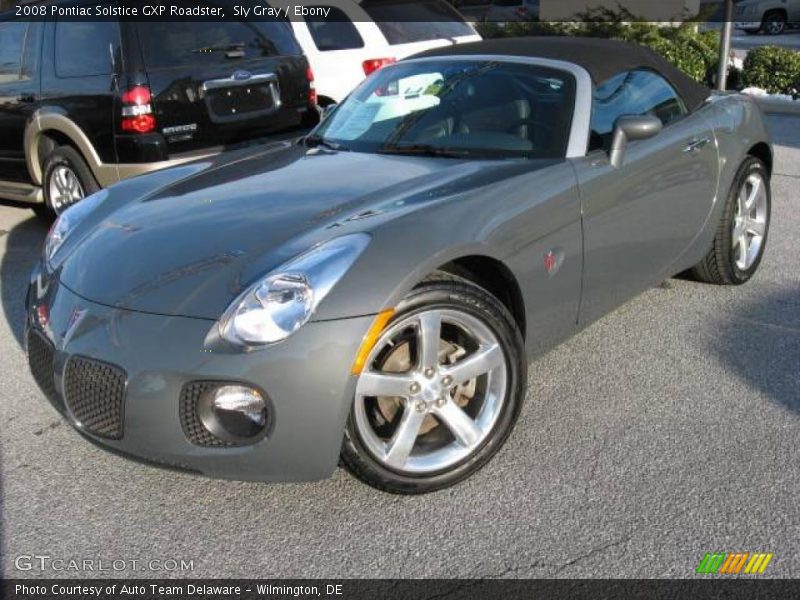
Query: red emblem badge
(549, 261)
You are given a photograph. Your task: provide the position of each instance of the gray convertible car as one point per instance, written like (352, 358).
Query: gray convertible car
(373, 294)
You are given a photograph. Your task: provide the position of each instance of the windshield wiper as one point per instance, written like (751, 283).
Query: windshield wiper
(315, 140)
(424, 150)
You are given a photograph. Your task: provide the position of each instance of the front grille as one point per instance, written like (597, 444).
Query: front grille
(193, 428)
(40, 360)
(95, 393)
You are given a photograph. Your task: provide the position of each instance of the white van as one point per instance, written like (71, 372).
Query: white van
(352, 40)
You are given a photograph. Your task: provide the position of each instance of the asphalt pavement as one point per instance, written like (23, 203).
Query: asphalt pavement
(666, 430)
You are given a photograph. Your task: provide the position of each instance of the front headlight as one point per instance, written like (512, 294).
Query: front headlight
(68, 220)
(282, 302)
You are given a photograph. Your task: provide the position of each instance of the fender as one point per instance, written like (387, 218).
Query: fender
(53, 119)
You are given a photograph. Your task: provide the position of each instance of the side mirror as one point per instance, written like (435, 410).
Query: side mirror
(630, 127)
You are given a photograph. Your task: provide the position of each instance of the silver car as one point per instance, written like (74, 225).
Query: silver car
(373, 294)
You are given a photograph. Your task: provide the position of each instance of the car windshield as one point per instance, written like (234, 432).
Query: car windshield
(457, 108)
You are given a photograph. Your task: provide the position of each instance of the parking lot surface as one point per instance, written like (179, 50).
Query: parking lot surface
(666, 430)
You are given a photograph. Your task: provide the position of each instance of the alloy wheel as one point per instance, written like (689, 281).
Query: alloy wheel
(749, 222)
(432, 391)
(775, 24)
(65, 188)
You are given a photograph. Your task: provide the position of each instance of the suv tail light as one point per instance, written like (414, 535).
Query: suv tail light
(137, 110)
(312, 89)
(373, 64)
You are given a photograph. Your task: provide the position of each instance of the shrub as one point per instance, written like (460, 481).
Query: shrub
(683, 52)
(774, 69)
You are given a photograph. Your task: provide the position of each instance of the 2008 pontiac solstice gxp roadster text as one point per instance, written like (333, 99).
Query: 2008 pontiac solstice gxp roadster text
(374, 292)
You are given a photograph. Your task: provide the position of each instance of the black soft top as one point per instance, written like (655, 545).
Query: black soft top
(602, 58)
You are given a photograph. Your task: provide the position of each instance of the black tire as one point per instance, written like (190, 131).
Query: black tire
(719, 266)
(774, 22)
(70, 158)
(43, 212)
(448, 291)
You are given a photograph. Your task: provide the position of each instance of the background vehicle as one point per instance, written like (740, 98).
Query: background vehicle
(354, 39)
(512, 10)
(85, 104)
(460, 212)
(770, 16)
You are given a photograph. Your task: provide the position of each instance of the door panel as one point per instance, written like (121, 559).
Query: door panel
(640, 218)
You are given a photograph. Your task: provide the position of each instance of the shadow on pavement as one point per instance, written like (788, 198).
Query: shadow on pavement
(23, 248)
(761, 345)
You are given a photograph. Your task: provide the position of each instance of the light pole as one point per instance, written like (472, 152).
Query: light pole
(725, 45)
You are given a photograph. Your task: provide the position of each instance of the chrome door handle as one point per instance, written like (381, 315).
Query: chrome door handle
(697, 144)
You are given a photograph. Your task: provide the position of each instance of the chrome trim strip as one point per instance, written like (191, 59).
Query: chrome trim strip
(258, 79)
(581, 118)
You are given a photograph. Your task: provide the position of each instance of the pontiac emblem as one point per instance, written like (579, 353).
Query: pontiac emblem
(550, 261)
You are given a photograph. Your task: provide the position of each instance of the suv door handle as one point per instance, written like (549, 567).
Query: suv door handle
(697, 144)
(26, 98)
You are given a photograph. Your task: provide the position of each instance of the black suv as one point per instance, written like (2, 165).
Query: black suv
(86, 104)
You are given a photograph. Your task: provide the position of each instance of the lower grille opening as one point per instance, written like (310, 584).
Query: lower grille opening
(40, 360)
(95, 394)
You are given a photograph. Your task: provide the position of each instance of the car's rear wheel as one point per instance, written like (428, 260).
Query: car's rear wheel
(67, 179)
(440, 391)
(774, 23)
(741, 236)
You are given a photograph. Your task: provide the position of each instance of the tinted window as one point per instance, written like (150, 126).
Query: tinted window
(12, 38)
(405, 21)
(30, 56)
(334, 32)
(632, 93)
(82, 48)
(178, 44)
(458, 108)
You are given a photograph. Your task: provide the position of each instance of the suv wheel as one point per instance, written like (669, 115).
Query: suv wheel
(774, 22)
(67, 180)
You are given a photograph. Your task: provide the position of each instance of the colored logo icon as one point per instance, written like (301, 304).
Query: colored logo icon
(734, 563)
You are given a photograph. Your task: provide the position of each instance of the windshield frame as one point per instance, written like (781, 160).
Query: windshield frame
(578, 136)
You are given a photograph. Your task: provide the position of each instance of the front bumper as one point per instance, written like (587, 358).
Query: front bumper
(307, 379)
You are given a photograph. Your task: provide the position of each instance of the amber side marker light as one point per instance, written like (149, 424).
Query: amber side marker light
(370, 338)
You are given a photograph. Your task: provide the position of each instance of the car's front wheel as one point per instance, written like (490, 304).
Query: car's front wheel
(440, 390)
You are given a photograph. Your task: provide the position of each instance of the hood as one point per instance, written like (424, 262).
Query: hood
(189, 247)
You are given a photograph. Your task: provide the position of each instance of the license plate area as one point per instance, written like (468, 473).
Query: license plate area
(233, 99)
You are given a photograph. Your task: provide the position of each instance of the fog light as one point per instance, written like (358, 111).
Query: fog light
(234, 413)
